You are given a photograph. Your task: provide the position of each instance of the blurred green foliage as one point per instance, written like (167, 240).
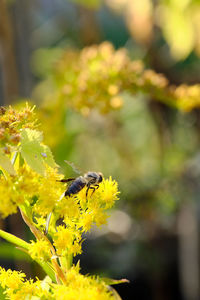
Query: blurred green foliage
(88, 3)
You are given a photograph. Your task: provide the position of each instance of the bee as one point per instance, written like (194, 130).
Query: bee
(90, 179)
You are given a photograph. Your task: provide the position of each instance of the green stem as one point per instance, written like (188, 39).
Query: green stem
(66, 262)
(39, 235)
(25, 246)
(48, 270)
(14, 240)
(69, 261)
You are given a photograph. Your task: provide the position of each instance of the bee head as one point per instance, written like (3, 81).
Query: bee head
(94, 177)
(100, 177)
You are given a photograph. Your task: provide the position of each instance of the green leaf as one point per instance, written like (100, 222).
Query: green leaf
(48, 269)
(35, 153)
(48, 156)
(24, 246)
(178, 31)
(110, 281)
(8, 251)
(31, 152)
(32, 134)
(6, 164)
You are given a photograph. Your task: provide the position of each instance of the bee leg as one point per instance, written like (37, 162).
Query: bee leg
(96, 186)
(90, 188)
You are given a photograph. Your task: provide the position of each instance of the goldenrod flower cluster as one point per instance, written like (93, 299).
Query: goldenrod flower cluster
(11, 121)
(78, 214)
(29, 188)
(91, 78)
(30, 182)
(96, 77)
(18, 288)
(77, 287)
(40, 250)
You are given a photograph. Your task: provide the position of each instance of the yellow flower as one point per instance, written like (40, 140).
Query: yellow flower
(26, 184)
(49, 192)
(18, 288)
(40, 250)
(28, 290)
(76, 248)
(11, 279)
(77, 287)
(68, 208)
(82, 197)
(41, 223)
(7, 205)
(100, 217)
(81, 287)
(86, 221)
(12, 120)
(108, 192)
(64, 240)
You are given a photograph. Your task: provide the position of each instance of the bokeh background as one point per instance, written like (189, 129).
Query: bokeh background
(92, 68)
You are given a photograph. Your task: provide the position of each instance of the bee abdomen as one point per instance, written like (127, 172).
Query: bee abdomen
(75, 187)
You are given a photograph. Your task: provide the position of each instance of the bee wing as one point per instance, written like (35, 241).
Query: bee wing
(67, 180)
(72, 165)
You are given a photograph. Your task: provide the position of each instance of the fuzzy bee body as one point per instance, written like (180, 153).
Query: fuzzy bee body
(76, 186)
(89, 179)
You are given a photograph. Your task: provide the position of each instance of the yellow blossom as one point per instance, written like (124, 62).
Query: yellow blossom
(7, 205)
(79, 287)
(86, 221)
(11, 279)
(26, 184)
(49, 192)
(81, 196)
(100, 217)
(64, 239)
(40, 250)
(12, 120)
(108, 192)
(41, 223)
(76, 248)
(18, 288)
(68, 208)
